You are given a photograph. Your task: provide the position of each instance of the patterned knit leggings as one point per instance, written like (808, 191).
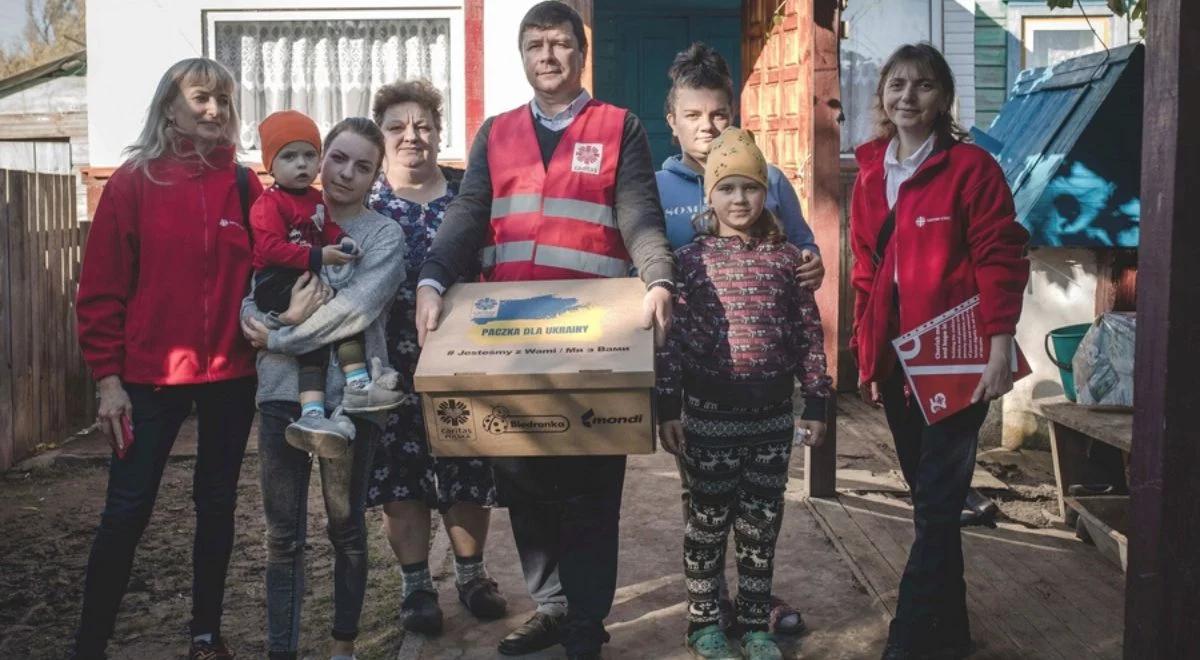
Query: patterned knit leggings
(738, 487)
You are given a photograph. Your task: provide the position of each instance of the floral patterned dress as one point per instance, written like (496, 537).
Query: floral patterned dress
(403, 469)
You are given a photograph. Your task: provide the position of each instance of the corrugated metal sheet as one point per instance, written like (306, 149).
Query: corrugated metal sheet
(1055, 140)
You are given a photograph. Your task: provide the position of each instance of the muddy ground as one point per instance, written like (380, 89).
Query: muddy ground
(48, 517)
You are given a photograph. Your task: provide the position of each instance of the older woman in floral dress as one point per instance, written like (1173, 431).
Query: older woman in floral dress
(415, 191)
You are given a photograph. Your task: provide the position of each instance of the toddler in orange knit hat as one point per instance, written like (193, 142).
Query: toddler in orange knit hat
(292, 236)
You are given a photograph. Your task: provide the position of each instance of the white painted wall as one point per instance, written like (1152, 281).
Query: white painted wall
(504, 84)
(131, 43)
(958, 45)
(1061, 291)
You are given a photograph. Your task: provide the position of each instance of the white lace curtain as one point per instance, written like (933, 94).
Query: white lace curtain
(330, 69)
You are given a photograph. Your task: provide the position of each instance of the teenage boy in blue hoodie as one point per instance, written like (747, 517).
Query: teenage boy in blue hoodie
(699, 106)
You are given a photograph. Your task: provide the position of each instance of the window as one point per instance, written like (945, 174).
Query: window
(329, 64)
(1047, 40)
(1039, 36)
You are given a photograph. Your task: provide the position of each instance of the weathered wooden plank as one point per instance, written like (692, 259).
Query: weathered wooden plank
(1112, 427)
(1162, 611)
(43, 125)
(1064, 575)
(888, 524)
(878, 576)
(6, 310)
(986, 37)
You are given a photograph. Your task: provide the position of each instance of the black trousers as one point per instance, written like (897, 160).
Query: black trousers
(565, 514)
(224, 412)
(938, 462)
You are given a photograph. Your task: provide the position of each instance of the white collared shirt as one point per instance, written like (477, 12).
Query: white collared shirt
(896, 172)
(564, 118)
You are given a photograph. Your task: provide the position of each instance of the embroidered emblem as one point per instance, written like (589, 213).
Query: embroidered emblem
(587, 158)
(922, 220)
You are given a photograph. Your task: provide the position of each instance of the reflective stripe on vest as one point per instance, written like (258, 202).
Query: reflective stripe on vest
(506, 253)
(554, 206)
(584, 262)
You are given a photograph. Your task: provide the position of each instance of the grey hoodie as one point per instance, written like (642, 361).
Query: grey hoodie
(365, 290)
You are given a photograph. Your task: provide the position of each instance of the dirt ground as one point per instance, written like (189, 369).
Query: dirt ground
(47, 520)
(48, 517)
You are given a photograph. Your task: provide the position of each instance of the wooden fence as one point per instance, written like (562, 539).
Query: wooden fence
(46, 392)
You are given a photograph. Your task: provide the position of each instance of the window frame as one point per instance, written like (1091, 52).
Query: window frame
(426, 9)
(1118, 30)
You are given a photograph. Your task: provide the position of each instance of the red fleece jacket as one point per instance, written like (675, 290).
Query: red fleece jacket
(956, 235)
(164, 274)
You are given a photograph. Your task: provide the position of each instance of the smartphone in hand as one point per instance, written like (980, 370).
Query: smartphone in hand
(127, 432)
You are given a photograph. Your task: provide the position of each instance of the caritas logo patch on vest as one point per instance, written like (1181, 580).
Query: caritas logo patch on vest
(587, 157)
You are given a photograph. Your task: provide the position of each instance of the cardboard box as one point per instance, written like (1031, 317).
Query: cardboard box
(548, 368)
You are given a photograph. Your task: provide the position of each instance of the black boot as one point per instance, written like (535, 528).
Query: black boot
(541, 631)
(420, 613)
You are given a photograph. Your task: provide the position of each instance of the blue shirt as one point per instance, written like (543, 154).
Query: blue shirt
(563, 119)
(682, 194)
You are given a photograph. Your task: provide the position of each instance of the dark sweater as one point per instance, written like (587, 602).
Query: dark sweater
(639, 214)
(743, 329)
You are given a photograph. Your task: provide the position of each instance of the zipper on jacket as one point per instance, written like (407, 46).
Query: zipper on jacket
(205, 288)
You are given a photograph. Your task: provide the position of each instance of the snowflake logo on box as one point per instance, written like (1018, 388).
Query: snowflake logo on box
(485, 308)
(587, 157)
(453, 412)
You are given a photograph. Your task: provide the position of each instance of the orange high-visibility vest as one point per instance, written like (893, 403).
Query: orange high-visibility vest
(556, 221)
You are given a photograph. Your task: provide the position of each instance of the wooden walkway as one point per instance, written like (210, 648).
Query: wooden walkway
(1032, 593)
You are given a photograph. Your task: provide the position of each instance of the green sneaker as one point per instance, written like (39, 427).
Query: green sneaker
(711, 643)
(760, 645)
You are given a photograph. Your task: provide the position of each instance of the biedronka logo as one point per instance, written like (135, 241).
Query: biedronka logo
(453, 412)
(501, 421)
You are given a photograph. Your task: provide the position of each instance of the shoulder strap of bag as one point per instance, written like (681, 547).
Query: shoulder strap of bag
(243, 188)
(885, 236)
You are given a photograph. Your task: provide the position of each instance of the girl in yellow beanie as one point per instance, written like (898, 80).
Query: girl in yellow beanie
(744, 331)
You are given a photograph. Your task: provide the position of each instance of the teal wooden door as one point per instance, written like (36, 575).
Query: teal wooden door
(636, 43)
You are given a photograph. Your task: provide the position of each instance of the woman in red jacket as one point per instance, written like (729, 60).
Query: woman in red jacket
(932, 224)
(166, 267)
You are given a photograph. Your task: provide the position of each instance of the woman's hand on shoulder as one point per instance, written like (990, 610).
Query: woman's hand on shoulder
(811, 270)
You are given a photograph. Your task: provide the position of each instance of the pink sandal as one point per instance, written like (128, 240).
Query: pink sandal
(785, 619)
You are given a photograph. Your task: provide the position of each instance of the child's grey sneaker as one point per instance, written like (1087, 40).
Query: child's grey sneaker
(760, 645)
(711, 643)
(325, 438)
(372, 398)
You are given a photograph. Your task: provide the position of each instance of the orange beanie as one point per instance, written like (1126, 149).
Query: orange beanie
(284, 127)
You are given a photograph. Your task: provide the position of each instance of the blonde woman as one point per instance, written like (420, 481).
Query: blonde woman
(167, 264)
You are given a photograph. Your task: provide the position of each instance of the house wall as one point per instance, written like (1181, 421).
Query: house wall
(958, 45)
(1061, 291)
(504, 86)
(123, 71)
(991, 60)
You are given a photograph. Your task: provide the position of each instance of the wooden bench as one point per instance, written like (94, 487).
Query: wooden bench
(1092, 446)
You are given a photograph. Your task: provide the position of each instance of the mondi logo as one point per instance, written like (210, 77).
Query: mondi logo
(590, 419)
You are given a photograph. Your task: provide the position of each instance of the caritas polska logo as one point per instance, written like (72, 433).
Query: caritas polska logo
(587, 158)
(453, 412)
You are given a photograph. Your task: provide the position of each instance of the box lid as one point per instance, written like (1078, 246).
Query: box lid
(558, 334)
